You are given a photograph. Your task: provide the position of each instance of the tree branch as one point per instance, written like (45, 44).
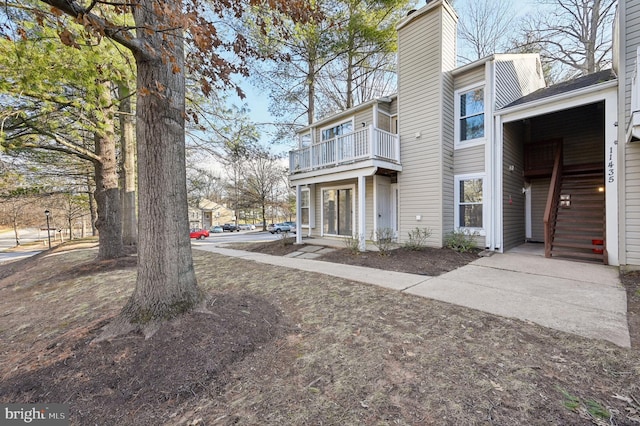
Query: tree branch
(116, 33)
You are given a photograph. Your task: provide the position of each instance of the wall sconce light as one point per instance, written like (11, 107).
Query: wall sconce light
(364, 124)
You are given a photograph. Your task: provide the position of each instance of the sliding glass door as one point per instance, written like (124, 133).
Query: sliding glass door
(337, 211)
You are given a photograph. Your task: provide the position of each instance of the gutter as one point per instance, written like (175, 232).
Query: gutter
(557, 98)
(347, 112)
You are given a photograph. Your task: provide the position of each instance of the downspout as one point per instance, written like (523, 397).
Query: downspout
(621, 186)
(491, 199)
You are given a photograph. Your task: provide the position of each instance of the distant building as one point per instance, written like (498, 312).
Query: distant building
(208, 214)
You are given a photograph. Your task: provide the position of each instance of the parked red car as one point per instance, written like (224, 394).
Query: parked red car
(199, 234)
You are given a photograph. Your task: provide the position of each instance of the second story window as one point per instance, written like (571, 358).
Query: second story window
(305, 140)
(340, 129)
(470, 115)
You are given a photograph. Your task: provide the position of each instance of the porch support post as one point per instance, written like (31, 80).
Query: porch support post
(362, 229)
(298, 214)
(611, 178)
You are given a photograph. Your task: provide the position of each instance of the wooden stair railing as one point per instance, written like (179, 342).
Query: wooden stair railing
(553, 198)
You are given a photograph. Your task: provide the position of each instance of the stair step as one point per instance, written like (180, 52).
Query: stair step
(594, 183)
(565, 218)
(582, 235)
(581, 206)
(577, 204)
(588, 234)
(582, 256)
(585, 168)
(574, 245)
(590, 193)
(578, 178)
(582, 190)
(577, 214)
(583, 176)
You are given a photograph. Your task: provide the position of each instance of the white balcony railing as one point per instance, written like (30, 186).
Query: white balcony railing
(365, 144)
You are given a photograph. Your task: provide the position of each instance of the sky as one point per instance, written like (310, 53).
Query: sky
(258, 102)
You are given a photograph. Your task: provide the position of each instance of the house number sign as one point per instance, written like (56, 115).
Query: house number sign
(611, 171)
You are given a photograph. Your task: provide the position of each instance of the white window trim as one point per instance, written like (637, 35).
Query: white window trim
(301, 135)
(353, 209)
(308, 225)
(471, 142)
(456, 202)
(338, 123)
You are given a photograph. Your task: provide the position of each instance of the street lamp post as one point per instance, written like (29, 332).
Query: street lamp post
(47, 213)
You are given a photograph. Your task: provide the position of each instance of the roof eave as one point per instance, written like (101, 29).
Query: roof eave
(559, 97)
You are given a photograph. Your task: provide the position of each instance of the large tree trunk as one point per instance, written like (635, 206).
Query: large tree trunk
(128, 168)
(311, 89)
(107, 194)
(166, 283)
(349, 89)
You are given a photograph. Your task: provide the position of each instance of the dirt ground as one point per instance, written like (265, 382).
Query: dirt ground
(428, 261)
(288, 347)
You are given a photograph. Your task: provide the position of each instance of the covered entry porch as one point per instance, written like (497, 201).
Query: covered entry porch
(557, 173)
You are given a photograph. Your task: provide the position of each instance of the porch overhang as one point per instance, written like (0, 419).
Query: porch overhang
(343, 172)
(633, 131)
(587, 95)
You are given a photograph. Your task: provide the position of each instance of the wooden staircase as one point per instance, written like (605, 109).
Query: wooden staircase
(580, 219)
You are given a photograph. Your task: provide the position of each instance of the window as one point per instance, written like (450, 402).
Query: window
(305, 140)
(305, 206)
(468, 200)
(340, 129)
(337, 211)
(470, 115)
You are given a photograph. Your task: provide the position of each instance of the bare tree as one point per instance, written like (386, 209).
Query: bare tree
(484, 27)
(73, 207)
(262, 173)
(573, 35)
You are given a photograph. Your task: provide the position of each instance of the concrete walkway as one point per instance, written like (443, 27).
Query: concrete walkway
(580, 298)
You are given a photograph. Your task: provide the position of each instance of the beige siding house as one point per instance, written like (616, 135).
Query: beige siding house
(485, 148)
(628, 167)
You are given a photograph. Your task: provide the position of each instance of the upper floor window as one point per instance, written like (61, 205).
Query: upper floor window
(340, 129)
(305, 140)
(470, 115)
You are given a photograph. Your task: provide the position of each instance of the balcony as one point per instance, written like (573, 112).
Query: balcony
(368, 144)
